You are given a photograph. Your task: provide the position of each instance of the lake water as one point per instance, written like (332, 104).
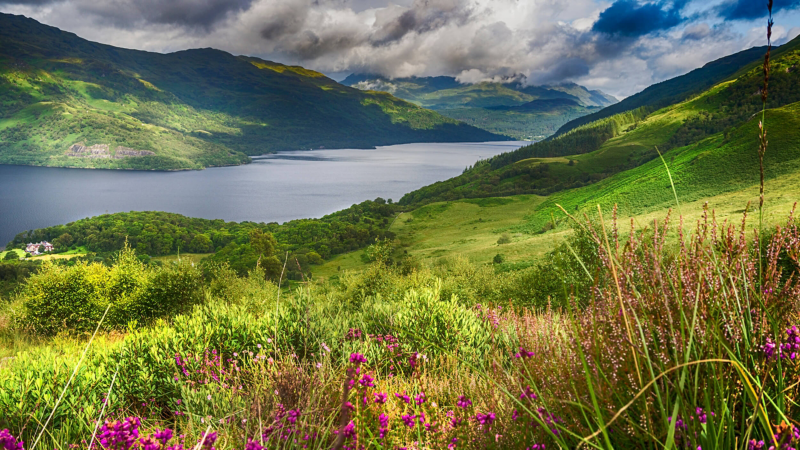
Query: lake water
(274, 188)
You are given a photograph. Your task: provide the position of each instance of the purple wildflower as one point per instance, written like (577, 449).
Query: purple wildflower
(701, 416)
(253, 445)
(163, 436)
(384, 421)
(463, 402)
(293, 415)
(357, 358)
(485, 419)
(522, 353)
(527, 393)
(366, 381)
(403, 397)
(380, 397)
(420, 399)
(349, 430)
(9, 442)
(769, 349)
(792, 345)
(408, 419)
(119, 435)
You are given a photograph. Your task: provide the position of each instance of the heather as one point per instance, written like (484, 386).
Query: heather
(671, 345)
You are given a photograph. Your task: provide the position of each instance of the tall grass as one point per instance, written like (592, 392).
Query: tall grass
(675, 347)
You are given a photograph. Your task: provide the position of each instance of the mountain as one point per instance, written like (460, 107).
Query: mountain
(710, 138)
(480, 104)
(70, 102)
(675, 89)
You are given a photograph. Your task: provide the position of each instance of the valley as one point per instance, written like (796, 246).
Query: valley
(488, 259)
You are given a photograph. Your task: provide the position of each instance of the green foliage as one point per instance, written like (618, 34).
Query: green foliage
(75, 298)
(504, 239)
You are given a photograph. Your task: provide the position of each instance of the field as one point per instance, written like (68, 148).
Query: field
(19, 253)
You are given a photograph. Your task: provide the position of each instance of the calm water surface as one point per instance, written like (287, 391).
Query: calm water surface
(274, 188)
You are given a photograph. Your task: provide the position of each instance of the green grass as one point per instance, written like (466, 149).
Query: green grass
(20, 253)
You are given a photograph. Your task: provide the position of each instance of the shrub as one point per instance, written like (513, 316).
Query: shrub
(74, 298)
(504, 239)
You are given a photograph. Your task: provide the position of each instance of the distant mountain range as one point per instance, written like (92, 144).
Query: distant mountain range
(497, 107)
(69, 102)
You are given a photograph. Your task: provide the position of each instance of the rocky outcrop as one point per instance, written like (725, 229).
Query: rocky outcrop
(125, 152)
(80, 150)
(95, 151)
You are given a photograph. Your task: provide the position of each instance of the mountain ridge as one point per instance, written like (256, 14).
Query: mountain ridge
(192, 108)
(492, 106)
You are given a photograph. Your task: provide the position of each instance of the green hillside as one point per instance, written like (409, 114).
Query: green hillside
(593, 152)
(481, 104)
(189, 109)
(676, 89)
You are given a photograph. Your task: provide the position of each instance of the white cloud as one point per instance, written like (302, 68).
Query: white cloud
(544, 41)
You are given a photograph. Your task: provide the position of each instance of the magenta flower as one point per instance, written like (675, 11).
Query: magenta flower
(403, 397)
(792, 345)
(769, 349)
(409, 420)
(527, 393)
(514, 415)
(463, 402)
(384, 421)
(366, 381)
(9, 442)
(380, 397)
(253, 445)
(522, 353)
(293, 415)
(485, 419)
(349, 430)
(420, 399)
(357, 358)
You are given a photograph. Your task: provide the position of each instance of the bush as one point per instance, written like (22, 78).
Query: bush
(498, 259)
(74, 298)
(504, 239)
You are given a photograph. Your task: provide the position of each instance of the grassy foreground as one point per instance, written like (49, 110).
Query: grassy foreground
(675, 346)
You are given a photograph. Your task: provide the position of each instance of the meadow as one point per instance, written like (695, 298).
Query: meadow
(427, 356)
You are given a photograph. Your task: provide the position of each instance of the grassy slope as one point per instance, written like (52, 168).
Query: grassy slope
(193, 108)
(676, 89)
(718, 170)
(718, 110)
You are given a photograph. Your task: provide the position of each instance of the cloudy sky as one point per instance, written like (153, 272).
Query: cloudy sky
(618, 46)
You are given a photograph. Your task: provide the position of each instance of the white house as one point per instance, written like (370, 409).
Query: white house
(41, 247)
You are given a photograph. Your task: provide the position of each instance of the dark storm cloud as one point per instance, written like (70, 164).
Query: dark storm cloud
(131, 13)
(422, 17)
(287, 20)
(752, 9)
(632, 19)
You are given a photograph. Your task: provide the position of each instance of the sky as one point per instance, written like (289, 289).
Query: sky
(618, 46)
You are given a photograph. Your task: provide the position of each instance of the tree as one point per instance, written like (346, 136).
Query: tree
(263, 242)
(498, 259)
(11, 255)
